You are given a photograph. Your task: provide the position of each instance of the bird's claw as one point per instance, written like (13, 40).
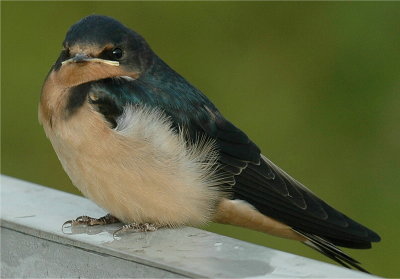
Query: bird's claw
(81, 220)
(135, 227)
(90, 221)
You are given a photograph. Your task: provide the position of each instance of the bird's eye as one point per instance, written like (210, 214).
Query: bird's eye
(117, 53)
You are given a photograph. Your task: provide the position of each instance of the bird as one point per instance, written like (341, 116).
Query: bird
(139, 140)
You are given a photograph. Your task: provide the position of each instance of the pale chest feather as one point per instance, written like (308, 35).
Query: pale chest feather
(142, 171)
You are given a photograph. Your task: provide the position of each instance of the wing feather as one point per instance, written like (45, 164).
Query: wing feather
(253, 177)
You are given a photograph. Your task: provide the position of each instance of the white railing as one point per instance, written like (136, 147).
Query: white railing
(34, 245)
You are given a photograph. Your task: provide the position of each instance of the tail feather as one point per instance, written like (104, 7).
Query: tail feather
(331, 251)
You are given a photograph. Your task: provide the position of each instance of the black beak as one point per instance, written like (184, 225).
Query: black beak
(81, 57)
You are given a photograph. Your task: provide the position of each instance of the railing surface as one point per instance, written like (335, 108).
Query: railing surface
(34, 245)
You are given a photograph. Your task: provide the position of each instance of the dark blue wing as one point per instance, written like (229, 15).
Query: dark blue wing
(253, 178)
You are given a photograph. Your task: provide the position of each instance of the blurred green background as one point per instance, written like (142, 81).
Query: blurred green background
(314, 84)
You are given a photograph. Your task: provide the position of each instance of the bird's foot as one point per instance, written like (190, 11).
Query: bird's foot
(90, 221)
(135, 227)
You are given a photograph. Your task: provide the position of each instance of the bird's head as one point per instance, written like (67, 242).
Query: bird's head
(99, 47)
(95, 48)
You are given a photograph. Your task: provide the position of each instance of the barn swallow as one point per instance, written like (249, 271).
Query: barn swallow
(147, 146)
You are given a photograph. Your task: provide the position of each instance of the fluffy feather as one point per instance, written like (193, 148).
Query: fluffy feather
(142, 171)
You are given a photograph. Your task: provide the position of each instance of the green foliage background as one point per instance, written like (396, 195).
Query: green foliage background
(314, 84)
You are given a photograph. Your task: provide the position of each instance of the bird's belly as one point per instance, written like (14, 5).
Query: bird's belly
(132, 178)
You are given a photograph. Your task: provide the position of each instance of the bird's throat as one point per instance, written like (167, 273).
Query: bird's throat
(59, 82)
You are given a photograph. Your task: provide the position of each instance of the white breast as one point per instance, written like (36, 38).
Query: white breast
(142, 171)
